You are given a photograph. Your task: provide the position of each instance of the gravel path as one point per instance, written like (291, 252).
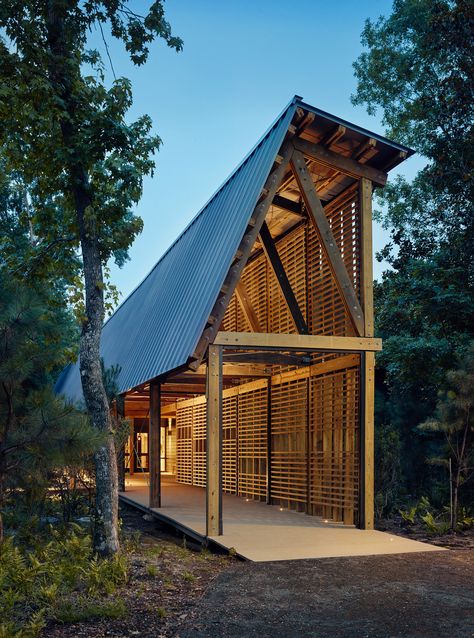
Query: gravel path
(404, 595)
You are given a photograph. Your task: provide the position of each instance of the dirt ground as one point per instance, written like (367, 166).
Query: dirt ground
(406, 595)
(177, 591)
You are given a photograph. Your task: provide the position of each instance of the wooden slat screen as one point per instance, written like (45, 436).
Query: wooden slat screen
(229, 444)
(252, 443)
(315, 438)
(334, 445)
(184, 444)
(293, 256)
(288, 452)
(199, 444)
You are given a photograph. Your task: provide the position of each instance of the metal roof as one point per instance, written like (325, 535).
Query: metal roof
(156, 329)
(158, 326)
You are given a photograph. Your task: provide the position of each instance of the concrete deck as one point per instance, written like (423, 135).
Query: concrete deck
(261, 532)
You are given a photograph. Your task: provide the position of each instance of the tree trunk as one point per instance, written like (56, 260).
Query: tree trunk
(64, 71)
(2, 501)
(106, 540)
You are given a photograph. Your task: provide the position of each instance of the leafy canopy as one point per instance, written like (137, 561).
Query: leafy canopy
(113, 153)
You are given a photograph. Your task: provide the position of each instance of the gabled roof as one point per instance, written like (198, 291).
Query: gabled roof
(156, 329)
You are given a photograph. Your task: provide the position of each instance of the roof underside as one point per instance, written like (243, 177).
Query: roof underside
(156, 329)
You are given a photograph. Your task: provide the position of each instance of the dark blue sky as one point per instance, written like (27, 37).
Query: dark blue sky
(241, 64)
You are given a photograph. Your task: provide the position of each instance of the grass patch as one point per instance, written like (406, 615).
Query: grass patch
(86, 610)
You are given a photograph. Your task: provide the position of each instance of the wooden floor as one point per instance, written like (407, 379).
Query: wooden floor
(261, 532)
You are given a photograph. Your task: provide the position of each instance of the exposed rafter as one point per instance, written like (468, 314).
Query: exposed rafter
(289, 205)
(332, 136)
(346, 165)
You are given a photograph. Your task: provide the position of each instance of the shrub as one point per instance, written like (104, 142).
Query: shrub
(58, 579)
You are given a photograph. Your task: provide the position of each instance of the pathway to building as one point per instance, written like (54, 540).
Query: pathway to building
(260, 532)
(425, 595)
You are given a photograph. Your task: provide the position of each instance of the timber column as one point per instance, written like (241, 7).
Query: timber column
(214, 442)
(367, 379)
(155, 444)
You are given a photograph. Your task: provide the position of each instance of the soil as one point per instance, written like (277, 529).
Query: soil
(176, 590)
(404, 596)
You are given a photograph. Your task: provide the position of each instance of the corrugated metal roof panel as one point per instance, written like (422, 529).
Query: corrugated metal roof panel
(157, 327)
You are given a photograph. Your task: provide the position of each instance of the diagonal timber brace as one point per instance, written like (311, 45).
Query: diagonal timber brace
(275, 262)
(243, 253)
(247, 307)
(328, 242)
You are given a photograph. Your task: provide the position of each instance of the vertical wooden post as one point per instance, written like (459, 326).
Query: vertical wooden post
(269, 442)
(214, 443)
(120, 414)
(131, 468)
(154, 450)
(367, 379)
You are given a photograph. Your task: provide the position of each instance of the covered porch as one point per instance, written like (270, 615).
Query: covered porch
(260, 532)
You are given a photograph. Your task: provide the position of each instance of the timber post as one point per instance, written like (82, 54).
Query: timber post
(120, 414)
(367, 359)
(155, 444)
(214, 443)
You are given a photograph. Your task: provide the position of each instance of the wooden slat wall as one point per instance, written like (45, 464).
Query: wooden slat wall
(293, 256)
(229, 444)
(288, 451)
(309, 275)
(314, 440)
(171, 451)
(184, 444)
(199, 444)
(334, 445)
(252, 448)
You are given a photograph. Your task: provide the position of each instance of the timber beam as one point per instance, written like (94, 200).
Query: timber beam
(346, 165)
(274, 258)
(328, 242)
(228, 370)
(302, 343)
(155, 445)
(214, 443)
(332, 136)
(289, 205)
(247, 307)
(269, 358)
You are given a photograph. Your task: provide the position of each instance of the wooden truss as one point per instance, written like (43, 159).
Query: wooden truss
(223, 348)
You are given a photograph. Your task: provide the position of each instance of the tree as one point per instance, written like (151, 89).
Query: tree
(454, 422)
(66, 133)
(417, 69)
(38, 431)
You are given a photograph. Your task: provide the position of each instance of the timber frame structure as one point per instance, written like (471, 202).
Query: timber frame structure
(260, 367)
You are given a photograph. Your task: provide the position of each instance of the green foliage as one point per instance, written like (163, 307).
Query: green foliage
(408, 516)
(45, 91)
(56, 579)
(454, 425)
(387, 470)
(417, 69)
(38, 430)
(81, 609)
